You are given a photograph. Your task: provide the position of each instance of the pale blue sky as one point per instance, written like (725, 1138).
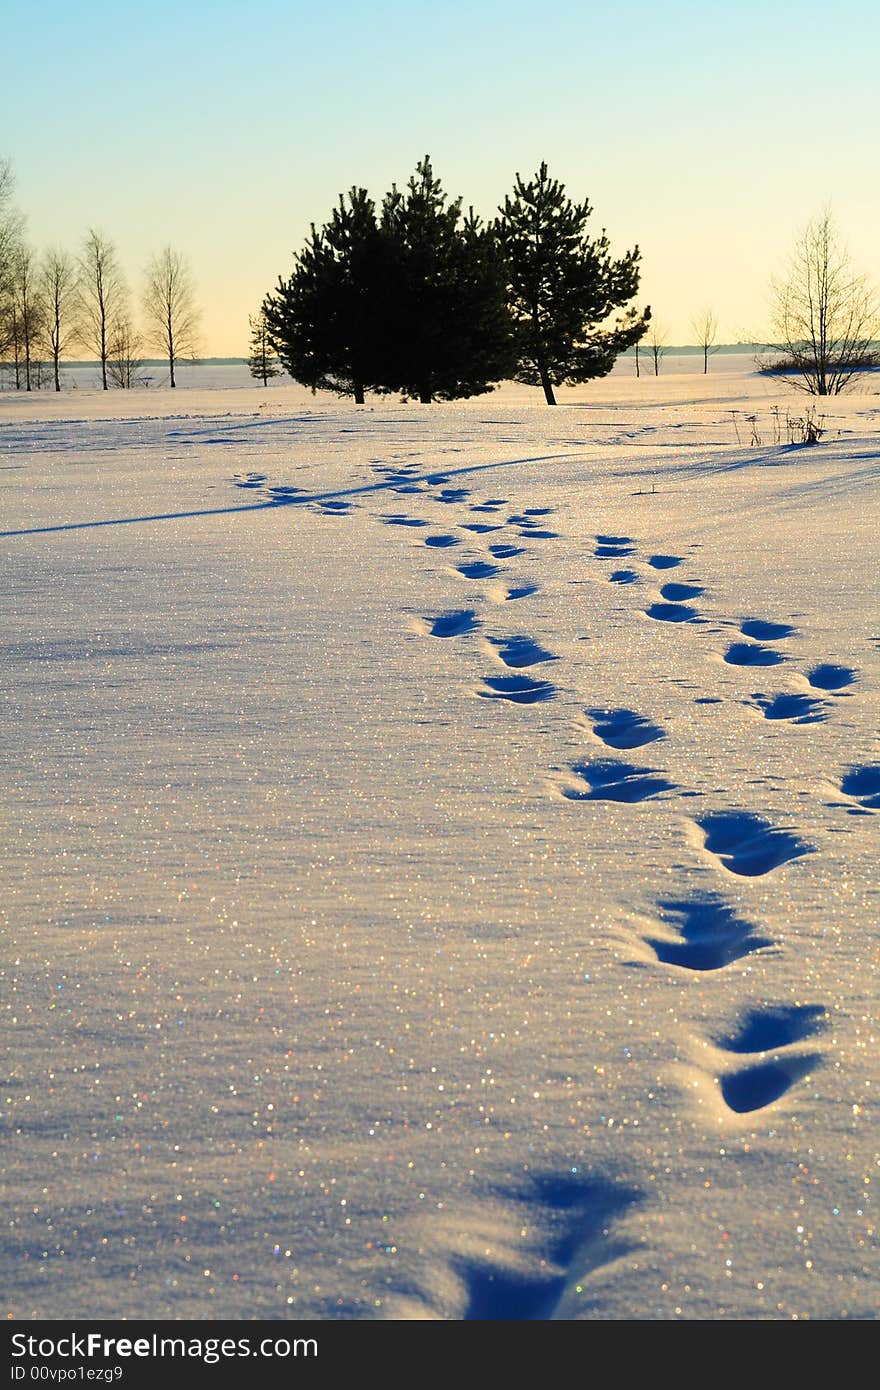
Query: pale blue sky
(707, 133)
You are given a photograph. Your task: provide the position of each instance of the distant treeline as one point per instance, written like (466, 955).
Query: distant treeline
(56, 300)
(417, 297)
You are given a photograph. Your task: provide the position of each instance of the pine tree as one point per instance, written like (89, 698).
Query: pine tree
(562, 287)
(451, 333)
(328, 322)
(262, 361)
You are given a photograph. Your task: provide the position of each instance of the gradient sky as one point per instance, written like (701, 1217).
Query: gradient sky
(707, 133)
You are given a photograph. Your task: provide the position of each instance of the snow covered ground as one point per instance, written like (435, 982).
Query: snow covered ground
(440, 854)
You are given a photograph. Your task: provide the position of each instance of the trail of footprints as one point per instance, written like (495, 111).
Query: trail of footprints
(766, 1051)
(761, 1059)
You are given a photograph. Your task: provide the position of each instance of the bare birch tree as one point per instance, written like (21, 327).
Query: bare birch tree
(826, 315)
(58, 281)
(705, 326)
(657, 346)
(170, 307)
(124, 353)
(103, 297)
(11, 224)
(27, 313)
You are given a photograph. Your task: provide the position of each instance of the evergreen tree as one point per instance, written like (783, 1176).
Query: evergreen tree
(262, 361)
(451, 334)
(562, 287)
(328, 322)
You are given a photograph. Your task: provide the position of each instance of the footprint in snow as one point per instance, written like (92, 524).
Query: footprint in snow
(609, 780)
(672, 613)
(613, 547)
(680, 593)
(399, 519)
(797, 709)
(756, 1087)
(765, 1034)
(477, 569)
(752, 654)
(748, 845)
(862, 785)
(520, 651)
(766, 632)
(830, 677)
(665, 562)
(453, 624)
(769, 1027)
(703, 933)
(572, 1216)
(519, 690)
(623, 728)
(501, 594)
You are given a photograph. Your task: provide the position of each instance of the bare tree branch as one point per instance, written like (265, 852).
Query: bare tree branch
(826, 315)
(705, 326)
(11, 230)
(657, 345)
(27, 307)
(170, 308)
(103, 297)
(58, 281)
(124, 360)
